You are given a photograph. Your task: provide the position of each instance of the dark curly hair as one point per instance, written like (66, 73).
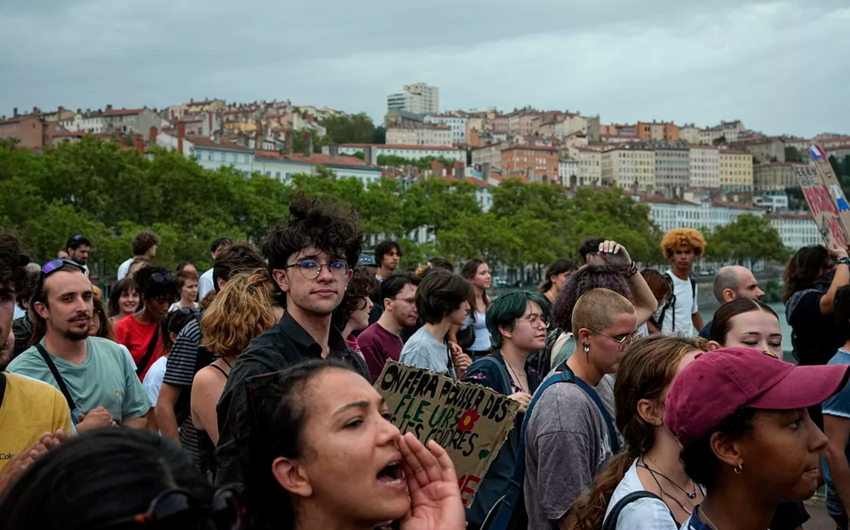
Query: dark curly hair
(142, 241)
(803, 269)
(700, 463)
(589, 246)
(13, 263)
(587, 278)
(321, 223)
(361, 285)
(385, 247)
(149, 288)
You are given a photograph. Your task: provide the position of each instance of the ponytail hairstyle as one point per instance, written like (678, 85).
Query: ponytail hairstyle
(645, 373)
(271, 425)
(559, 266)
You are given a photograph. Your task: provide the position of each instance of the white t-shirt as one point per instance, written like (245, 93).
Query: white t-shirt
(128, 355)
(153, 379)
(641, 514)
(124, 268)
(678, 317)
(205, 284)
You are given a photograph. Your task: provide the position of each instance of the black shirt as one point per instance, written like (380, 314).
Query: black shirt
(816, 336)
(283, 345)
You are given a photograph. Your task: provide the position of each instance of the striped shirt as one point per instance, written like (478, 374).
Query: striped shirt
(180, 372)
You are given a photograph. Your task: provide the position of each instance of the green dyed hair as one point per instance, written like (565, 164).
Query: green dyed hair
(506, 309)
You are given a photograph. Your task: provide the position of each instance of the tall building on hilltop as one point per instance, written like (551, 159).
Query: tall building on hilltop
(417, 98)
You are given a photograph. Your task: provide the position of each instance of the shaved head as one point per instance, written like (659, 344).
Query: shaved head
(597, 309)
(734, 282)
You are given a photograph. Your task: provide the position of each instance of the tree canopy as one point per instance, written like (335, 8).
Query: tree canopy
(110, 192)
(748, 237)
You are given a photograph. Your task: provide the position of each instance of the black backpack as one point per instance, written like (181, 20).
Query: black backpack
(610, 522)
(671, 302)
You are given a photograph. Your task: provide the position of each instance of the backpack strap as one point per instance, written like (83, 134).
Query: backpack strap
(612, 432)
(612, 517)
(143, 363)
(56, 375)
(513, 495)
(506, 381)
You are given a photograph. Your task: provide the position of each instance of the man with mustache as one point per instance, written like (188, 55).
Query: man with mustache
(311, 259)
(95, 376)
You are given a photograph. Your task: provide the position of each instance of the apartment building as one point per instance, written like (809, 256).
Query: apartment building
(736, 171)
(774, 177)
(418, 98)
(657, 131)
(438, 135)
(672, 168)
(627, 166)
(705, 166)
(533, 161)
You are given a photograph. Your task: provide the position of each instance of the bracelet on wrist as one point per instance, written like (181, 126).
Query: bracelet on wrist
(843, 261)
(632, 270)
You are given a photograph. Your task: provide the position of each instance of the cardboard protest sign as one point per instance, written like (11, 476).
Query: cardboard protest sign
(826, 200)
(469, 421)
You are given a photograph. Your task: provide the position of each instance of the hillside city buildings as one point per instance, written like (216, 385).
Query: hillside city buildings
(702, 177)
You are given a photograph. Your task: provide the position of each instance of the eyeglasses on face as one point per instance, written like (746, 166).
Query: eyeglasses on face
(311, 269)
(535, 321)
(622, 340)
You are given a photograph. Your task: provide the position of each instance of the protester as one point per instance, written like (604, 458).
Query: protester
(517, 324)
(117, 479)
(568, 437)
(186, 266)
(472, 336)
(556, 279)
(387, 255)
(756, 447)
(662, 289)
(241, 312)
(206, 283)
(100, 326)
(680, 315)
(381, 341)
(352, 314)
(187, 285)
(6, 349)
(34, 416)
(99, 383)
(747, 323)
(618, 274)
(836, 423)
(732, 283)
(590, 249)
(143, 245)
(442, 301)
(320, 453)
(435, 263)
(140, 333)
(310, 259)
(651, 461)
(22, 326)
(123, 300)
(136, 265)
(187, 357)
(170, 329)
(811, 280)
(78, 247)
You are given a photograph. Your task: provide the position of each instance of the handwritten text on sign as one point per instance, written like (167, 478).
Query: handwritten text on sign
(470, 421)
(823, 206)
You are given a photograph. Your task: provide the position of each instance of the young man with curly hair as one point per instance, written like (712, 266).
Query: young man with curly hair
(310, 258)
(680, 315)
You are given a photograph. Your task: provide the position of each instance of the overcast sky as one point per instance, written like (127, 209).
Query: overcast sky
(781, 67)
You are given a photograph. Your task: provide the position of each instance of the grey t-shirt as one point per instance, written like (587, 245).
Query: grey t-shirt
(567, 446)
(424, 351)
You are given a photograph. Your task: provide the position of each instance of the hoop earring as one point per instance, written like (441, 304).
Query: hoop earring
(739, 469)
(586, 347)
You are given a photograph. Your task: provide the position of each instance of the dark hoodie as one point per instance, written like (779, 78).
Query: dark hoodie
(283, 345)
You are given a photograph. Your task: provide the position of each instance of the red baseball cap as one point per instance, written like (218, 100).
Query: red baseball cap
(720, 382)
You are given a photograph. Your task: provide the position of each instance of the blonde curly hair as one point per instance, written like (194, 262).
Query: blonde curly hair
(683, 236)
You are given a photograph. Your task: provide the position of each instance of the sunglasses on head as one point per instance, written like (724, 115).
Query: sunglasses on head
(52, 266)
(159, 277)
(177, 508)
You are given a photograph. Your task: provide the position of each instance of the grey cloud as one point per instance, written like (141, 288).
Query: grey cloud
(625, 60)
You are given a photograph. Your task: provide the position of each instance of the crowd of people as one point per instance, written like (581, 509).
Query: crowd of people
(243, 397)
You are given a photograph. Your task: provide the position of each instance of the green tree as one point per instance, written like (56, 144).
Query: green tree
(749, 237)
(380, 135)
(354, 128)
(792, 154)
